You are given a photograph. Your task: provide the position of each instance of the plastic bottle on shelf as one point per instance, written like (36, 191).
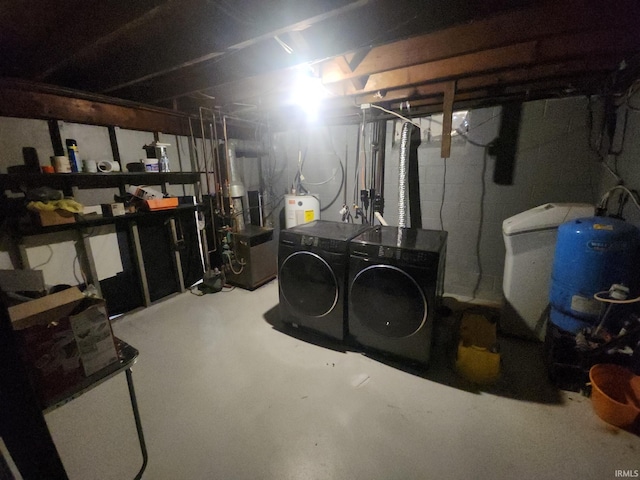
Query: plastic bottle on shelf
(74, 156)
(164, 162)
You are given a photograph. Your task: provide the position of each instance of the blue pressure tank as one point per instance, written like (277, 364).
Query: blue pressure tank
(591, 254)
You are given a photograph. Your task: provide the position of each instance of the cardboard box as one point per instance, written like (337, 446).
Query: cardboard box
(64, 338)
(113, 209)
(47, 218)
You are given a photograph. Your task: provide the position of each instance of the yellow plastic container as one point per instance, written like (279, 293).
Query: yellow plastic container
(478, 359)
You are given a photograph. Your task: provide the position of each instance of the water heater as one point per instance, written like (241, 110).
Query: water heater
(300, 209)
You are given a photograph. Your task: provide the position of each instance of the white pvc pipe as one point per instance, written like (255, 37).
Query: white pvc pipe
(382, 221)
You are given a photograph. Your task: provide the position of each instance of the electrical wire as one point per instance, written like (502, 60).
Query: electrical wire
(481, 222)
(47, 260)
(391, 112)
(606, 196)
(635, 86)
(472, 142)
(444, 186)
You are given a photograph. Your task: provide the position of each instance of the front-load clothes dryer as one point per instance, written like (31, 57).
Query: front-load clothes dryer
(312, 268)
(395, 287)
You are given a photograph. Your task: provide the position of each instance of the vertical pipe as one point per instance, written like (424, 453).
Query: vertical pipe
(204, 152)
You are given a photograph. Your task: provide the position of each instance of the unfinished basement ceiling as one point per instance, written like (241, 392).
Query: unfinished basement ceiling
(229, 53)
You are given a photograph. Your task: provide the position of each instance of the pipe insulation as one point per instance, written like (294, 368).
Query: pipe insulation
(405, 140)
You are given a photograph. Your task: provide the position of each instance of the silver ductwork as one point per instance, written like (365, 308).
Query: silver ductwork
(248, 148)
(405, 141)
(236, 187)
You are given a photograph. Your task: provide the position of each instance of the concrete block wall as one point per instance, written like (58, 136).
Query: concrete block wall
(328, 168)
(553, 164)
(627, 163)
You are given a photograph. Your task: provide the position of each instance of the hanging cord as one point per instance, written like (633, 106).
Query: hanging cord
(602, 205)
(481, 222)
(485, 153)
(391, 112)
(444, 186)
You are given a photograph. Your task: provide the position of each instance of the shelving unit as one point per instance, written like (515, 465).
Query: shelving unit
(160, 228)
(66, 181)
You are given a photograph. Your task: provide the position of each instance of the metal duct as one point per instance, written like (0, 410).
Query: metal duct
(236, 187)
(405, 140)
(248, 148)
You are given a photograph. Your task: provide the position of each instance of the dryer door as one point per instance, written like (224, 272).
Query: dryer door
(308, 284)
(388, 301)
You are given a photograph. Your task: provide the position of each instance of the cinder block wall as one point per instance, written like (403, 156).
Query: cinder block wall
(625, 161)
(554, 164)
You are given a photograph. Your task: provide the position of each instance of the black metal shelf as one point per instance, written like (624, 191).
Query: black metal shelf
(96, 220)
(64, 181)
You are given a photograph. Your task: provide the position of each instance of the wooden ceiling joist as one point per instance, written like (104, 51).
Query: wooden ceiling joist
(501, 30)
(559, 70)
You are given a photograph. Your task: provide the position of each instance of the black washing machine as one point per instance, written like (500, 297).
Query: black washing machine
(395, 286)
(312, 268)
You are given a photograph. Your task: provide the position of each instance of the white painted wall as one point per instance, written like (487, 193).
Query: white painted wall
(16, 133)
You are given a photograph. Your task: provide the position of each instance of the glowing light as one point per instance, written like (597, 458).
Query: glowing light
(308, 93)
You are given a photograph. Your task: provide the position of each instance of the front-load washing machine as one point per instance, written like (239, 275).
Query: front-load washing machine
(312, 268)
(395, 287)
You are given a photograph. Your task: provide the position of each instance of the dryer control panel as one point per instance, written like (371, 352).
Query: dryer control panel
(326, 244)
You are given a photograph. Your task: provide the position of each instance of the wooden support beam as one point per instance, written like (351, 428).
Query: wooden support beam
(485, 61)
(557, 70)
(447, 119)
(17, 102)
(357, 82)
(356, 58)
(538, 22)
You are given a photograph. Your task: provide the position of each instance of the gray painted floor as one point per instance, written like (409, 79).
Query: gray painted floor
(225, 395)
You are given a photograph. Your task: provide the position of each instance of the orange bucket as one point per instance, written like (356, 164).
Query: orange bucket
(615, 395)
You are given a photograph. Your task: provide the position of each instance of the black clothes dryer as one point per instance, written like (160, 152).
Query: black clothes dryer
(395, 286)
(312, 269)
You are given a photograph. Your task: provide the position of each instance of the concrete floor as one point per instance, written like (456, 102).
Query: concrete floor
(225, 395)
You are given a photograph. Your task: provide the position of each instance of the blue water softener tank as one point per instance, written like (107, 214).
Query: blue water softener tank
(591, 254)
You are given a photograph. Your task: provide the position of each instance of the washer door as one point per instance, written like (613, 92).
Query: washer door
(388, 301)
(308, 284)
